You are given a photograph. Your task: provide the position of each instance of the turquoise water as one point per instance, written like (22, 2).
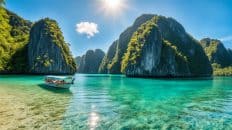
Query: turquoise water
(112, 102)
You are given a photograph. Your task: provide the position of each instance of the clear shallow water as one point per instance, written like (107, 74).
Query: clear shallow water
(117, 102)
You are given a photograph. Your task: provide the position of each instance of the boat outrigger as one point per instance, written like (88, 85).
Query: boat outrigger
(59, 81)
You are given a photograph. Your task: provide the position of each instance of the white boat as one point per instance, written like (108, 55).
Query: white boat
(59, 81)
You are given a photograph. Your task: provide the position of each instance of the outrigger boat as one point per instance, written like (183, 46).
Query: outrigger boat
(59, 81)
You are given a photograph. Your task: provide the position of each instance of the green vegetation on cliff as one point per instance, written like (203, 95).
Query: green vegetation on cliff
(142, 37)
(112, 61)
(105, 65)
(219, 56)
(47, 50)
(216, 52)
(146, 56)
(14, 35)
(174, 32)
(51, 28)
(136, 44)
(219, 71)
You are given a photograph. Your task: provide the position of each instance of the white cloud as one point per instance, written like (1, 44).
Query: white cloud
(88, 28)
(226, 39)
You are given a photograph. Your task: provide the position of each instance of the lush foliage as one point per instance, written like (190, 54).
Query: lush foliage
(173, 36)
(57, 37)
(216, 52)
(176, 51)
(218, 71)
(112, 64)
(219, 56)
(14, 39)
(136, 44)
(51, 33)
(106, 64)
(14, 35)
(175, 33)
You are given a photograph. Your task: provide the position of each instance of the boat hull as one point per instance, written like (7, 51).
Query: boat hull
(59, 85)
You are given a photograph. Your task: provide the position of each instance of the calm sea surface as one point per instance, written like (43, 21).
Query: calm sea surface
(113, 102)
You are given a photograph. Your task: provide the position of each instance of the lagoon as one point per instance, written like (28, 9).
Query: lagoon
(102, 102)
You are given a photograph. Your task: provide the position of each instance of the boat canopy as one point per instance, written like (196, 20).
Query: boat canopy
(58, 77)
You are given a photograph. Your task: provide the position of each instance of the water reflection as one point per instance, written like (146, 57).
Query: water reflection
(116, 102)
(93, 120)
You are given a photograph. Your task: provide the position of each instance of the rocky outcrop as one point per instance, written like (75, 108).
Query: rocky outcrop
(161, 48)
(78, 61)
(230, 53)
(47, 51)
(39, 49)
(216, 52)
(112, 61)
(91, 61)
(105, 66)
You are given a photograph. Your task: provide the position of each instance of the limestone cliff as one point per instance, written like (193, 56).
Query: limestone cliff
(91, 61)
(112, 61)
(78, 61)
(161, 48)
(219, 56)
(105, 66)
(230, 54)
(47, 51)
(216, 52)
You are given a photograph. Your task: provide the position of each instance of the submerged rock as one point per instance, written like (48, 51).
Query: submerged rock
(90, 62)
(47, 51)
(161, 48)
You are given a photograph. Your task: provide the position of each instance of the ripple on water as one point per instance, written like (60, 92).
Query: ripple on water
(116, 102)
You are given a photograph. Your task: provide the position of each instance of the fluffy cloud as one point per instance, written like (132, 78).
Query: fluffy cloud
(88, 28)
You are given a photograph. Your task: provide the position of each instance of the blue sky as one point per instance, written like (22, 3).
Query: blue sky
(201, 18)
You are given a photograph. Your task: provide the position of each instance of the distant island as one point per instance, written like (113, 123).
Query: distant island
(157, 46)
(154, 46)
(90, 62)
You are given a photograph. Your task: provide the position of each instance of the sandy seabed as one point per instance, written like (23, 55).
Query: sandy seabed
(31, 110)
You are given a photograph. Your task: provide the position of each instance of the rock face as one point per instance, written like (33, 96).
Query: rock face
(161, 48)
(78, 61)
(216, 52)
(47, 51)
(91, 61)
(39, 49)
(230, 53)
(112, 60)
(105, 66)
